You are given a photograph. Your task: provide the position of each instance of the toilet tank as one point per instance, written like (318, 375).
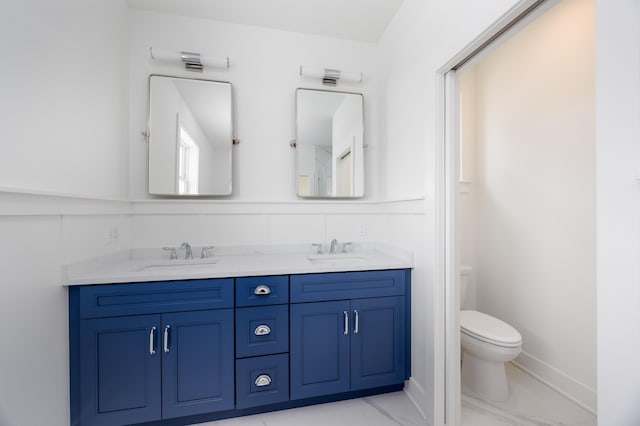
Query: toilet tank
(465, 282)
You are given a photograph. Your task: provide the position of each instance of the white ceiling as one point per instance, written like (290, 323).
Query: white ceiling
(362, 20)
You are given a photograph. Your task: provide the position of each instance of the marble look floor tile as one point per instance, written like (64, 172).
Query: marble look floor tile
(531, 403)
(392, 409)
(473, 415)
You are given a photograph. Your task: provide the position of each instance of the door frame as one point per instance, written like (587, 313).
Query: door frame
(447, 404)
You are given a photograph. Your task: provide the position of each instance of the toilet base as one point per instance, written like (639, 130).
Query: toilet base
(484, 379)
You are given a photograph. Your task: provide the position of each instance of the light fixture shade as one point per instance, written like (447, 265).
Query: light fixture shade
(193, 61)
(330, 76)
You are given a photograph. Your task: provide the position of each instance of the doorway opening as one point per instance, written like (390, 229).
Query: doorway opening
(528, 169)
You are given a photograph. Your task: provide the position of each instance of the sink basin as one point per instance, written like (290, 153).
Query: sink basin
(337, 259)
(166, 265)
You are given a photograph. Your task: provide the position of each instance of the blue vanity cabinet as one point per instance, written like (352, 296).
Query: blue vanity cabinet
(175, 359)
(190, 351)
(347, 345)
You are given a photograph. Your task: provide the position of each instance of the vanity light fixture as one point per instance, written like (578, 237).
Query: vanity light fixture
(193, 61)
(330, 76)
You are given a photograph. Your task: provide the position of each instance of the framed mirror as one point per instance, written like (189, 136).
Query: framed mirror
(190, 134)
(329, 144)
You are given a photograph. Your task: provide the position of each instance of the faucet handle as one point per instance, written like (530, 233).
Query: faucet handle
(319, 247)
(205, 252)
(345, 245)
(172, 255)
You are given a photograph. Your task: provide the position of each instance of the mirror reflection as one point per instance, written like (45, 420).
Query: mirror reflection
(190, 136)
(329, 137)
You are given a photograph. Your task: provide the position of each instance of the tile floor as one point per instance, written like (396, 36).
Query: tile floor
(391, 409)
(531, 404)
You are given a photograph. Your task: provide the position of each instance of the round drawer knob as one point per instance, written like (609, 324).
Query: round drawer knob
(262, 290)
(262, 330)
(263, 380)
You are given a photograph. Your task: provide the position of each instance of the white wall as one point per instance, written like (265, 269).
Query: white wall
(64, 116)
(64, 107)
(535, 194)
(422, 37)
(34, 362)
(618, 210)
(468, 183)
(220, 229)
(33, 309)
(264, 72)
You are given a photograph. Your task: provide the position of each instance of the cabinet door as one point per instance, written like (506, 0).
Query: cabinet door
(377, 342)
(319, 350)
(197, 362)
(120, 370)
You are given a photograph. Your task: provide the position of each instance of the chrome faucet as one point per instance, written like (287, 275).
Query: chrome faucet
(333, 247)
(188, 254)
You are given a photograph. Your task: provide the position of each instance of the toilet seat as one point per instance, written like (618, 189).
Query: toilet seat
(489, 329)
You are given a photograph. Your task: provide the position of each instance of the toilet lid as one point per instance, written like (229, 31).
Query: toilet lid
(489, 329)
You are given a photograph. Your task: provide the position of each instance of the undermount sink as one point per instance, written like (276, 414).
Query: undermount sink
(178, 264)
(338, 258)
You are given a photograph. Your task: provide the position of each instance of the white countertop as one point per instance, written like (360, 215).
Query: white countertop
(144, 265)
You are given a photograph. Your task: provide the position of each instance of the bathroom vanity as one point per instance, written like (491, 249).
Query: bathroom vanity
(182, 351)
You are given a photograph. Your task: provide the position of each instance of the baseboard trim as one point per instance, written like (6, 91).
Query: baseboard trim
(415, 392)
(559, 381)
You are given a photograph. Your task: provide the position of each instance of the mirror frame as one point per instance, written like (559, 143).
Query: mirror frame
(297, 142)
(147, 135)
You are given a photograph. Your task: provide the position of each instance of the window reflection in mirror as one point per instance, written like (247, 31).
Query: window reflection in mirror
(330, 138)
(190, 137)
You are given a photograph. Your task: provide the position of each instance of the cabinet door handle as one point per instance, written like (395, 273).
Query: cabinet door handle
(166, 338)
(262, 330)
(262, 290)
(263, 380)
(346, 322)
(152, 341)
(356, 327)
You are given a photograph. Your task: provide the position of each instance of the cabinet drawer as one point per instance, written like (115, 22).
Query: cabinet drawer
(262, 330)
(262, 380)
(257, 291)
(346, 285)
(146, 298)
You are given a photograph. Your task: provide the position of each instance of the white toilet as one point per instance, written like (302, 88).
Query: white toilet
(487, 343)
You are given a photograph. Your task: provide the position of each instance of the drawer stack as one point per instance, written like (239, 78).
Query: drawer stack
(262, 340)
